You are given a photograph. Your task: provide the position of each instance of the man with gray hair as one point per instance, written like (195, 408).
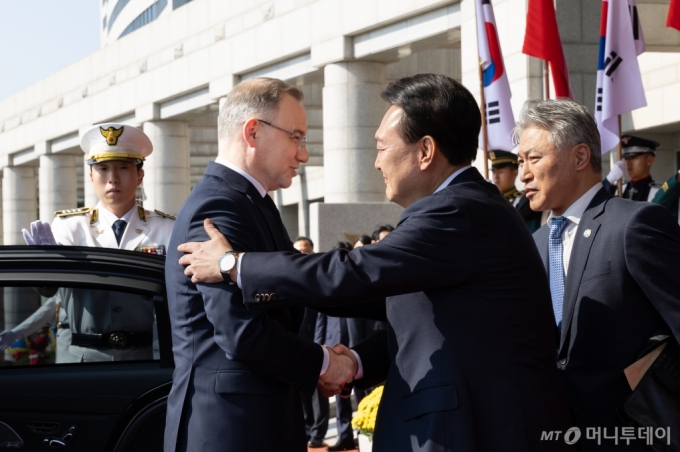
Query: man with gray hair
(612, 265)
(238, 372)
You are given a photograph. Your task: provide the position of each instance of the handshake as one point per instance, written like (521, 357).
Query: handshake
(339, 376)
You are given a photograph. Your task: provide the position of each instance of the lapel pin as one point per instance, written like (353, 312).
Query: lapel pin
(586, 233)
(101, 231)
(138, 231)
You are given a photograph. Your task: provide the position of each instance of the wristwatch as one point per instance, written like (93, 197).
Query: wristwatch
(227, 263)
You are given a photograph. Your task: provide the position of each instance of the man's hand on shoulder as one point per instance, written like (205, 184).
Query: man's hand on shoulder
(341, 370)
(201, 258)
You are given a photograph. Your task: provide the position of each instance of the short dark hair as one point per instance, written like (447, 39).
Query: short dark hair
(438, 106)
(304, 239)
(383, 227)
(364, 239)
(343, 246)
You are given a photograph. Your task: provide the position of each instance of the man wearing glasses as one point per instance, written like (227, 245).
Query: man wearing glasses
(238, 372)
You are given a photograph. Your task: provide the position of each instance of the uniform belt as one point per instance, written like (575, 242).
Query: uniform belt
(113, 339)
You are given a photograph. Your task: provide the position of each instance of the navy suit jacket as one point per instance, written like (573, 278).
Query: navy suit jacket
(237, 373)
(469, 355)
(621, 290)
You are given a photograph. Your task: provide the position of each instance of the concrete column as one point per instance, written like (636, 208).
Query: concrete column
(167, 170)
(57, 184)
(19, 202)
(352, 111)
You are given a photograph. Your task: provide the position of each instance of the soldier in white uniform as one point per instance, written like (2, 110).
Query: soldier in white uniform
(97, 325)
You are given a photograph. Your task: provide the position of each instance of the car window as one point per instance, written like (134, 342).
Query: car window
(60, 325)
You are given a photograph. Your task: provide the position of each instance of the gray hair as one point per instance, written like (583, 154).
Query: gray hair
(253, 97)
(568, 123)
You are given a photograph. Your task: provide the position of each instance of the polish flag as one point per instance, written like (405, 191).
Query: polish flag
(499, 118)
(542, 40)
(619, 84)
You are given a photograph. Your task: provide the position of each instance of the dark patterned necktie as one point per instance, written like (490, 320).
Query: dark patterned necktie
(119, 229)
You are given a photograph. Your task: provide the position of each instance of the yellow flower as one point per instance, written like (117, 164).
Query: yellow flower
(364, 418)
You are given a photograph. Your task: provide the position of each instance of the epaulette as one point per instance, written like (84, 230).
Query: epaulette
(72, 212)
(664, 187)
(165, 215)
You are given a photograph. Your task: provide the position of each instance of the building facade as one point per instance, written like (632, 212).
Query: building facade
(165, 65)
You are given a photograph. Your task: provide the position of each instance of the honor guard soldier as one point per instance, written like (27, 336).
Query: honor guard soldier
(638, 155)
(117, 326)
(669, 194)
(638, 158)
(504, 168)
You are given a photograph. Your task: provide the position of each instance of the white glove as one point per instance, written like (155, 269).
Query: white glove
(9, 337)
(41, 234)
(617, 172)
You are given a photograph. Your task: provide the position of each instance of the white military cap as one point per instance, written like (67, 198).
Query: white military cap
(113, 141)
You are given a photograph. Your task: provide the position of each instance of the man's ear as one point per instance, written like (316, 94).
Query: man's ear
(249, 131)
(427, 148)
(583, 155)
(140, 176)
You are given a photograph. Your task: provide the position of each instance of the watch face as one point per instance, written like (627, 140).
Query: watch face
(227, 262)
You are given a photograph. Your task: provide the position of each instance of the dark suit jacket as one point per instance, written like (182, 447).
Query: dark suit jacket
(331, 330)
(237, 373)
(621, 289)
(469, 355)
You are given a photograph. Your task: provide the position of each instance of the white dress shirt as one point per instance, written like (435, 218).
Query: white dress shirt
(573, 214)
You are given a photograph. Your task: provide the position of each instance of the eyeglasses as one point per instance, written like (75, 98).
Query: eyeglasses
(302, 141)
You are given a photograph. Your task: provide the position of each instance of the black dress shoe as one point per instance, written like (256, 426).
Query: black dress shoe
(342, 445)
(315, 443)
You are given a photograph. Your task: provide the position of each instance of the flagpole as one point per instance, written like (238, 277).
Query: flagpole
(485, 138)
(546, 78)
(619, 156)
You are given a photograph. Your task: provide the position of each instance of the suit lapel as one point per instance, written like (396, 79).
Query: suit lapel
(586, 233)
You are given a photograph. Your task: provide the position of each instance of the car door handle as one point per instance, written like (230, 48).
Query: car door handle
(63, 441)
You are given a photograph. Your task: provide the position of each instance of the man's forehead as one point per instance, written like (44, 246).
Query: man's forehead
(390, 121)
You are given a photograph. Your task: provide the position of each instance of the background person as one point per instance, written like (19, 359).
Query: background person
(612, 264)
(315, 407)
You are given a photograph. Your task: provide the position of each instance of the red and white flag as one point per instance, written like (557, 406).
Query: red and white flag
(542, 40)
(499, 118)
(673, 19)
(619, 84)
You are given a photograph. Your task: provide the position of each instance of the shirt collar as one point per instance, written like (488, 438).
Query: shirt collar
(111, 217)
(576, 210)
(450, 178)
(251, 179)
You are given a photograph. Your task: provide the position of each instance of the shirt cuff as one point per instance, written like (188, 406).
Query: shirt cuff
(360, 367)
(238, 271)
(326, 360)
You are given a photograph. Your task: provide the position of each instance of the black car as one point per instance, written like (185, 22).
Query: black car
(49, 400)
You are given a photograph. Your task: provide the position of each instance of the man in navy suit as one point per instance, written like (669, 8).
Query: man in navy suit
(238, 373)
(468, 358)
(612, 265)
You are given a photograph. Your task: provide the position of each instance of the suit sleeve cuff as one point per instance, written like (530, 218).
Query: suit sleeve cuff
(360, 367)
(326, 360)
